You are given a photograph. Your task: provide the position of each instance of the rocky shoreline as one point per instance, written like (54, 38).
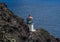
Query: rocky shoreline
(14, 29)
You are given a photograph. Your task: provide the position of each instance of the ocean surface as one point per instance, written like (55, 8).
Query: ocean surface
(46, 16)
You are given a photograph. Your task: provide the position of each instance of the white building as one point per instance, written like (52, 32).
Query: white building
(30, 23)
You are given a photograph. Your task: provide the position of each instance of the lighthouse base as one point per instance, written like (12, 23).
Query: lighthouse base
(31, 27)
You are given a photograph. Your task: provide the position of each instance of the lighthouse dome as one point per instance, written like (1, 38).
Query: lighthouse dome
(30, 17)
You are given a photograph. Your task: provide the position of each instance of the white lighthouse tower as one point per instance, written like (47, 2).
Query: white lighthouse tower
(30, 23)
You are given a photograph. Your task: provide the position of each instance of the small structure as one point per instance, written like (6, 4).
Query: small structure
(30, 23)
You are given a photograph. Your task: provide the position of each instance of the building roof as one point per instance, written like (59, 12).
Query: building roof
(30, 17)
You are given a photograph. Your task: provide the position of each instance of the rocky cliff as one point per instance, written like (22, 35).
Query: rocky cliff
(14, 29)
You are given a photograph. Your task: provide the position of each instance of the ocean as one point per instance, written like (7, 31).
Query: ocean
(46, 16)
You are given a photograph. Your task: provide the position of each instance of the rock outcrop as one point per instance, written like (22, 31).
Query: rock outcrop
(42, 35)
(14, 29)
(11, 26)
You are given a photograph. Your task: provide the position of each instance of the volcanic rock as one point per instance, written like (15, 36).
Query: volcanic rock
(14, 29)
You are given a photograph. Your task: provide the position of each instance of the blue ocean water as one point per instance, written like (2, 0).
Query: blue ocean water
(46, 14)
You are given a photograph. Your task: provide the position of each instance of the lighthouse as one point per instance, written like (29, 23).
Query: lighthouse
(30, 23)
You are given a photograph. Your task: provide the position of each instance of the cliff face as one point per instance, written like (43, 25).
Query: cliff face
(14, 29)
(42, 35)
(11, 26)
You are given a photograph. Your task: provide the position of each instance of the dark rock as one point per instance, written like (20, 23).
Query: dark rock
(13, 28)
(11, 25)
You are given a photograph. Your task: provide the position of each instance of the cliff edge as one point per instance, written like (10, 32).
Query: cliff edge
(14, 29)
